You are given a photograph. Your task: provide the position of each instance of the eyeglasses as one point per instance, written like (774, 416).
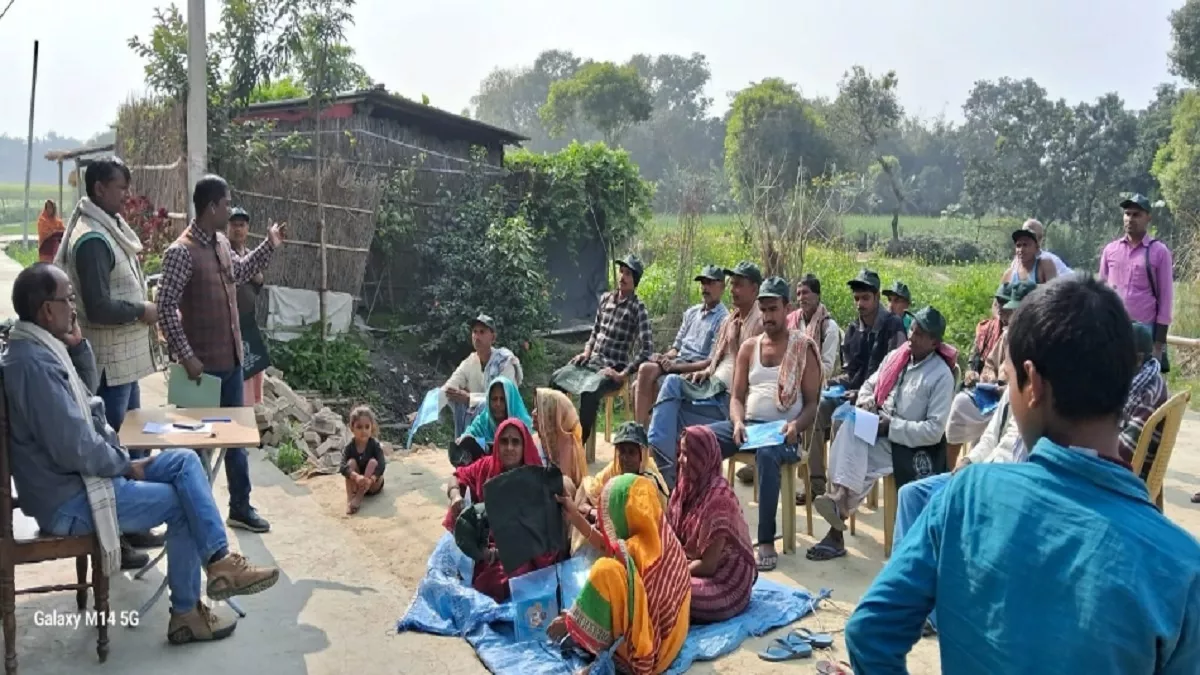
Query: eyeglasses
(70, 299)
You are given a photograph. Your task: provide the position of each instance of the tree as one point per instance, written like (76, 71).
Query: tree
(772, 136)
(1185, 32)
(867, 113)
(511, 97)
(1177, 165)
(165, 53)
(611, 98)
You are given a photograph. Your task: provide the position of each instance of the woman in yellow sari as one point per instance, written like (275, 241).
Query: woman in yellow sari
(558, 430)
(638, 598)
(631, 456)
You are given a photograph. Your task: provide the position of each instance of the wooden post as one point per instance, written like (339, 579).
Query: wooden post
(29, 148)
(60, 189)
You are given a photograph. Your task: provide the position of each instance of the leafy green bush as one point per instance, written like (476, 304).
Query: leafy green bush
(24, 255)
(289, 459)
(339, 366)
(937, 250)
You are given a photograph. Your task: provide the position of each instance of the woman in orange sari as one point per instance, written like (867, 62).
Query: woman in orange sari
(50, 232)
(637, 599)
(557, 426)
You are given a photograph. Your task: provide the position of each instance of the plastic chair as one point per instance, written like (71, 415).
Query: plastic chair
(1170, 415)
(891, 500)
(787, 492)
(623, 394)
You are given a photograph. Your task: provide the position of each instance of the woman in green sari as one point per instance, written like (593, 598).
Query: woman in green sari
(638, 598)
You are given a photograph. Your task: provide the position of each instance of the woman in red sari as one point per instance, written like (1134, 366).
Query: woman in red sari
(705, 514)
(513, 447)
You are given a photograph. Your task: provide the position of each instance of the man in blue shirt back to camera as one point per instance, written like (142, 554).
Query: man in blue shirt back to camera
(1060, 564)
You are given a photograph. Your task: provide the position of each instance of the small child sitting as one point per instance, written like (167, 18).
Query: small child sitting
(362, 460)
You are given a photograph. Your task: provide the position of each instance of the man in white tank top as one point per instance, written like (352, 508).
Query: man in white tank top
(777, 378)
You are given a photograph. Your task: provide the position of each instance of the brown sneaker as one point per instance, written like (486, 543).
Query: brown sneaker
(233, 575)
(198, 625)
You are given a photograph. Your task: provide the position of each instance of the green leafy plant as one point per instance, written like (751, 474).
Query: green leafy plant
(339, 366)
(289, 459)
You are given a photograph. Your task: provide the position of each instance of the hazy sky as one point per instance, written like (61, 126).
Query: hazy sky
(1077, 49)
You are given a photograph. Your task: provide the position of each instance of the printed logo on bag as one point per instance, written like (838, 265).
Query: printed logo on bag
(922, 464)
(536, 615)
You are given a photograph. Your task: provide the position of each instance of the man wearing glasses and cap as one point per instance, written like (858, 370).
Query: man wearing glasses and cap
(467, 387)
(693, 343)
(605, 365)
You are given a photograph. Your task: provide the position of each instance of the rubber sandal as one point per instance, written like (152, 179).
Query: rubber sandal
(823, 552)
(767, 563)
(817, 640)
(834, 668)
(786, 650)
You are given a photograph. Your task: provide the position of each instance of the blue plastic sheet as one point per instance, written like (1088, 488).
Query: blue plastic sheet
(426, 414)
(834, 393)
(445, 605)
(844, 413)
(987, 397)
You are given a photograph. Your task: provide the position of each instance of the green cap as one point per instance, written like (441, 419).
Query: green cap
(711, 273)
(239, 212)
(635, 265)
(1017, 293)
(631, 432)
(1136, 201)
(931, 321)
(484, 319)
(901, 289)
(746, 269)
(775, 287)
(1003, 293)
(867, 280)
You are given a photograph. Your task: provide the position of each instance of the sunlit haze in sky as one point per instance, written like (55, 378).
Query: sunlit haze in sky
(1077, 49)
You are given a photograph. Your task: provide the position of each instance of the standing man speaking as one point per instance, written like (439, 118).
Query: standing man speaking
(197, 308)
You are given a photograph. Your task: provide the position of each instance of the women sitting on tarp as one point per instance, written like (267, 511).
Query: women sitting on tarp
(631, 456)
(707, 517)
(637, 598)
(514, 448)
(557, 427)
(50, 232)
(504, 402)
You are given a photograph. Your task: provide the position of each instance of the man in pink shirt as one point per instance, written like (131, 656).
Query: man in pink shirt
(1139, 268)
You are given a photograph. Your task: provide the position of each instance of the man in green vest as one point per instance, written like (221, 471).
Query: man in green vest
(100, 256)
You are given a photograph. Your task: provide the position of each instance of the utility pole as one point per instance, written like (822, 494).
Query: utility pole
(29, 149)
(197, 101)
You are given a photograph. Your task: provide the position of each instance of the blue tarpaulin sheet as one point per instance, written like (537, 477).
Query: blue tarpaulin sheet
(446, 605)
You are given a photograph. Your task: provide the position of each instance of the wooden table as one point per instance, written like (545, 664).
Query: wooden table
(240, 432)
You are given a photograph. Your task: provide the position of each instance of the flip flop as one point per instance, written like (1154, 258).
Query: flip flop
(823, 552)
(825, 506)
(767, 563)
(817, 640)
(834, 668)
(786, 650)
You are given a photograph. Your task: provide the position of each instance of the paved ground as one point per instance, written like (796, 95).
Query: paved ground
(347, 580)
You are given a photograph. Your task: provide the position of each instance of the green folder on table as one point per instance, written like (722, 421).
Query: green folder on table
(185, 393)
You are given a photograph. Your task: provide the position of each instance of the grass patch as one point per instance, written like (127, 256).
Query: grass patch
(24, 255)
(289, 459)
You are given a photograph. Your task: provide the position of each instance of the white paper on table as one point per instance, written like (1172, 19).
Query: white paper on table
(158, 428)
(866, 425)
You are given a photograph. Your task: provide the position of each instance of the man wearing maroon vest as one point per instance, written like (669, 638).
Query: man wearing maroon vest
(197, 309)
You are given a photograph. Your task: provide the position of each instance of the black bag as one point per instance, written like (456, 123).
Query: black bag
(526, 520)
(909, 464)
(255, 357)
(466, 452)
(1165, 361)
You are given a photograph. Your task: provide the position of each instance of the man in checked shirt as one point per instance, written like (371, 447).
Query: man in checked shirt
(622, 324)
(197, 310)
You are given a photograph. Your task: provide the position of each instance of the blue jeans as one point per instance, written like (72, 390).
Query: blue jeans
(911, 501)
(237, 463)
(770, 461)
(176, 492)
(672, 414)
(118, 400)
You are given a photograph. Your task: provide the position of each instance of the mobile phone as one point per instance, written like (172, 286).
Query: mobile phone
(190, 426)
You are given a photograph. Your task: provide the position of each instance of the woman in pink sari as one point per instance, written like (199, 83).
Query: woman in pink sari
(705, 514)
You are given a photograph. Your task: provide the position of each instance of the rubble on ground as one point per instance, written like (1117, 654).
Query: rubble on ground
(287, 416)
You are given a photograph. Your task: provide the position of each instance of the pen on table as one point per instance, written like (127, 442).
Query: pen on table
(214, 420)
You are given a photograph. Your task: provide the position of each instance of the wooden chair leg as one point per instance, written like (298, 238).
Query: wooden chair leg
(730, 471)
(852, 515)
(873, 497)
(608, 418)
(81, 573)
(889, 514)
(100, 590)
(807, 478)
(787, 500)
(590, 447)
(8, 608)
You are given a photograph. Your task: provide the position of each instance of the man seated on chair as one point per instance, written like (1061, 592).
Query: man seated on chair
(868, 339)
(1147, 394)
(899, 300)
(693, 343)
(1049, 553)
(967, 417)
(777, 378)
(911, 394)
(622, 325)
(74, 478)
(467, 387)
(815, 320)
(702, 397)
